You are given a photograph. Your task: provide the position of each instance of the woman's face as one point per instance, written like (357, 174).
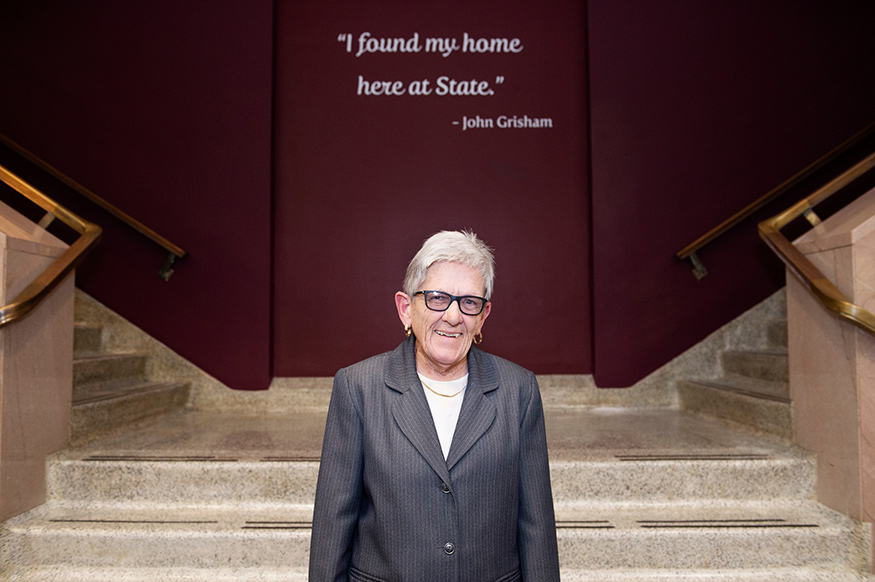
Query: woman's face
(443, 338)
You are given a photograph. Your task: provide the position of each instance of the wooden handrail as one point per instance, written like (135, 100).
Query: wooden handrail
(689, 251)
(805, 271)
(175, 252)
(64, 264)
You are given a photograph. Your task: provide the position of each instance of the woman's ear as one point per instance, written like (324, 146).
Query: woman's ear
(404, 305)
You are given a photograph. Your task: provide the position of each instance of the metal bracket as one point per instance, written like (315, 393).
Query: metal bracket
(699, 270)
(46, 221)
(811, 217)
(167, 269)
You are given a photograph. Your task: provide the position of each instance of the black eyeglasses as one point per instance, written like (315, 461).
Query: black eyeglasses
(440, 301)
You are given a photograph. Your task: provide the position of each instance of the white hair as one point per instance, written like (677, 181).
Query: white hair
(453, 246)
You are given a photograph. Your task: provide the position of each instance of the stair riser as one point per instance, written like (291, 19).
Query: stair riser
(772, 367)
(176, 574)
(215, 482)
(90, 373)
(711, 548)
(99, 417)
(285, 574)
(767, 416)
(659, 481)
(814, 574)
(159, 546)
(211, 546)
(183, 483)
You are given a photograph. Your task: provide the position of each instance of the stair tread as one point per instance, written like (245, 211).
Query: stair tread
(122, 390)
(197, 457)
(100, 355)
(573, 435)
(584, 515)
(709, 514)
(768, 352)
(248, 536)
(289, 574)
(806, 574)
(68, 573)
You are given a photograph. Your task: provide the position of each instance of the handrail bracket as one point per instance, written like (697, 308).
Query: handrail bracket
(167, 270)
(699, 270)
(46, 221)
(812, 218)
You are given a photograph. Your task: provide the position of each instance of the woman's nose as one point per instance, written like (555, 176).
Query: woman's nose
(453, 314)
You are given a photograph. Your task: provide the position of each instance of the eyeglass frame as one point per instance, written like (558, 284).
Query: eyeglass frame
(453, 298)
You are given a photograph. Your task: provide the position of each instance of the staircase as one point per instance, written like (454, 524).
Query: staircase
(754, 389)
(223, 489)
(112, 391)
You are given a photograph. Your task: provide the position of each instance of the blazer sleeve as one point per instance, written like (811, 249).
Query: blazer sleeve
(339, 487)
(536, 531)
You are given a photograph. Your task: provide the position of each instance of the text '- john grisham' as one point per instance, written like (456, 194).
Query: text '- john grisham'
(366, 44)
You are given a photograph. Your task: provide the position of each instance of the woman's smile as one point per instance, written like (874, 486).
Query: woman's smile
(448, 333)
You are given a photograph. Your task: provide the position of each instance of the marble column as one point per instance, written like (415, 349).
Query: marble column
(36, 366)
(832, 362)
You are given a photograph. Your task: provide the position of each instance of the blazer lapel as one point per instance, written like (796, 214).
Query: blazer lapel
(478, 411)
(411, 410)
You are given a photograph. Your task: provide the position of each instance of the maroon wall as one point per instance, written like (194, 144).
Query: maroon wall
(164, 109)
(362, 180)
(698, 108)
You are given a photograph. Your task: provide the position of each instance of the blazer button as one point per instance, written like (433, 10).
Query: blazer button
(449, 547)
(445, 488)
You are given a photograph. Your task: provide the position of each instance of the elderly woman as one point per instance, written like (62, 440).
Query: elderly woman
(434, 463)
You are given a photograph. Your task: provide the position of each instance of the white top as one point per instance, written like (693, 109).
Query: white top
(445, 411)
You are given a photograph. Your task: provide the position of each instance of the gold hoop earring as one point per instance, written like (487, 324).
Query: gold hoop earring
(407, 331)
(478, 339)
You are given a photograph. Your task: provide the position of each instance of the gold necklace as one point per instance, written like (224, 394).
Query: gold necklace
(438, 393)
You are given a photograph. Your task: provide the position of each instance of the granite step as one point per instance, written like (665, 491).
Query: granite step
(716, 536)
(761, 405)
(199, 458)
(808, 574)
(110, 408)
(769, 365)
(101, 372)
(181, 481)
(284, 574)
(710, 534)
(112, 391)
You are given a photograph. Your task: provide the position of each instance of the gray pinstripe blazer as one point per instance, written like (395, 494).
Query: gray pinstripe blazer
(390, 508)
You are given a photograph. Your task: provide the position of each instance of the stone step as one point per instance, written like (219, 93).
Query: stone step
(203, 458)
(87, 338)
(769, 365)
(101, 412)
(61, 573)
(283, 574)
(718, 536)
(99, 372)
(807, 574)
(199, 480)
(673, 477)
(775, 534)
(761, 405)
